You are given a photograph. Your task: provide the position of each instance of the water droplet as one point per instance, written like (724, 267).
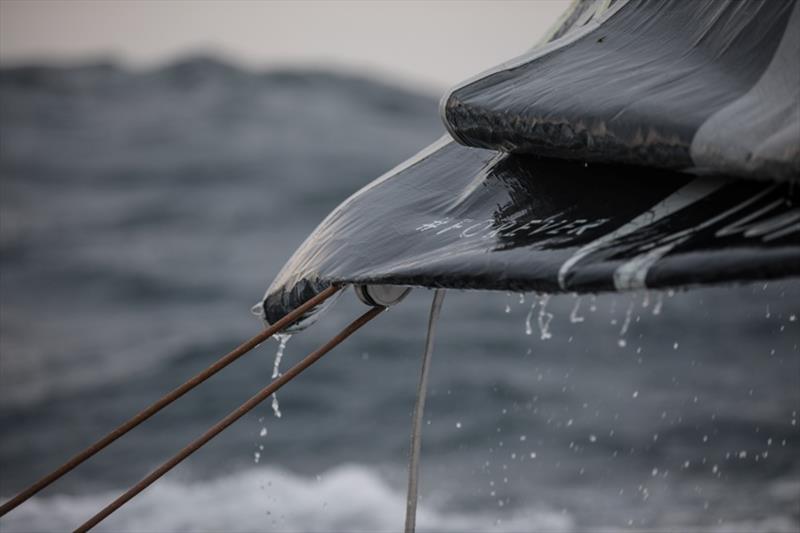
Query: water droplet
(592, 438)
(635, 394)
(458, 425)
(533, 455)
(792, 318)
(675, 346)
(263, 432)
(654, 472)
(256, 457)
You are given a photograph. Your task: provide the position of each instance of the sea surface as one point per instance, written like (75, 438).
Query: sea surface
(142, 214)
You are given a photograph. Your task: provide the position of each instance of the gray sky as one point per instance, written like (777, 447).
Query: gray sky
(435, 44)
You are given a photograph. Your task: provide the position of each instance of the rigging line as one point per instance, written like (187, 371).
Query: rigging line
(242, 349)
(235, 415)
(419, 408)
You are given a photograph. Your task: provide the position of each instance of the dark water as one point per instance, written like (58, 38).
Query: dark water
(142, 214)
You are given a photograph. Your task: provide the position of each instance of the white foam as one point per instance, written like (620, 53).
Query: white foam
(346, 498)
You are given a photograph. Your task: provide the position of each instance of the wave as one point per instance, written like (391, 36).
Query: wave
(347, 498)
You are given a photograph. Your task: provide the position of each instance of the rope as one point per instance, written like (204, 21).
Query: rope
(419, 409)
(215, 430)
(166, 400)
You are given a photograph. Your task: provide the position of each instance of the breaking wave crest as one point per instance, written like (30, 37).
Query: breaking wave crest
(346, 498)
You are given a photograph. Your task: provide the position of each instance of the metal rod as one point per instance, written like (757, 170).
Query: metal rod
(419, 410)
(215, 430)
(76, 460)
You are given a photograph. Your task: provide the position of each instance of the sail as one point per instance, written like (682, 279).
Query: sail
(645, 145)
(705, 86)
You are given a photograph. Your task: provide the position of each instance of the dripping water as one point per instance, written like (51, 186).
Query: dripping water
(261, 434)
(283, 339)
(419, 408)
(574, 317)
(544, 317)
(625, 325)
(659, 304)
(528, 318)
(276, 408)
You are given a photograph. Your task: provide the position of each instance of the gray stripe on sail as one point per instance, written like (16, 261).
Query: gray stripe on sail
(685, 196)
(633, 274)
(759, 133)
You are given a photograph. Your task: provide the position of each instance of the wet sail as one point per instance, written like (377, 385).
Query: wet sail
(707, 86)
(614, 157)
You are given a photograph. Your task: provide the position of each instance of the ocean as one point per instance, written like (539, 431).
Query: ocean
(142, 214)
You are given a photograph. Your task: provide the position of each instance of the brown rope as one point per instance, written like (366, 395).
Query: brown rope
(243, 409)
(281, 324)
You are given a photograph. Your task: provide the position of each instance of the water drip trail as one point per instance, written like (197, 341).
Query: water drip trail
(626, 324)
(574, 317)
(544, 317)
(419, 408)
(659, 304)
(283, 339)
(528, 318)
(260, 448)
